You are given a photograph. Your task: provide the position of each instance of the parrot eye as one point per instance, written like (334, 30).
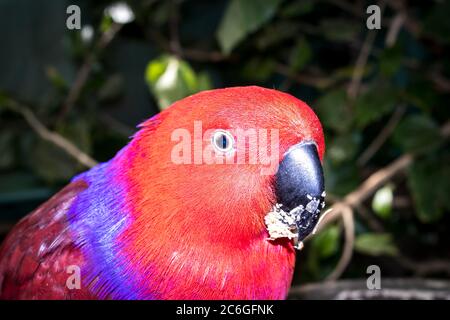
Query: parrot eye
(222, 141)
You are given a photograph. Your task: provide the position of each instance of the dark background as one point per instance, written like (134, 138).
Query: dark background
(382, 96)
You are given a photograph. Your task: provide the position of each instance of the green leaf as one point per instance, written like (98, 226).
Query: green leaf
(391, 60)
(297, 8)
(375, 244)
(346, 72)
(56, 78)
(333, 110)
(300, 55)
(171, 79)
(258, 69)
(105, 23)
(382, 201)
(203, 82)
(327, 241)
(343, 147)
(275, 33)
(417, 133)
(242, 18)
(340, 179)
(429, 182)
(155, 70)
(422, 94)
(161, 13)
(373, 104)
(3, 100)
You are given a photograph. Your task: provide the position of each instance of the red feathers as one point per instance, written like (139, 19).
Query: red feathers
(35, 256)
(211, 216)
(181, 231)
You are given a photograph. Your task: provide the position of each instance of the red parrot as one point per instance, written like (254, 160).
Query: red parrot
(189, 209)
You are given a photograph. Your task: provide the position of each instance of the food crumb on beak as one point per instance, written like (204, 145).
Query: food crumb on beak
(280, 224)
(286, 224)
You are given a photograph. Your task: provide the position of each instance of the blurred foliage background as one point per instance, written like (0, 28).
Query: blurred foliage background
(380, 94)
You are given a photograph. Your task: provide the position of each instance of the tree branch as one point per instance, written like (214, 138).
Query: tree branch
(384, 134)
(309, 80)
(360, 64)
(422, 268)
(349, 228)
(85, 70)
(361, 61)
(355, 198)
(53, 137)
(394, 29)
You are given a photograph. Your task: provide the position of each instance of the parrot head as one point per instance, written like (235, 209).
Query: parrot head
(234, 162)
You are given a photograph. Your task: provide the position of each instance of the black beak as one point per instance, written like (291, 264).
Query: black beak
(300, 187)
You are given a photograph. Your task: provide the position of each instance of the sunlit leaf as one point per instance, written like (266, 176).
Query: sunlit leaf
(171, 79)
(120, 12)
(106, 23)
(382, 201)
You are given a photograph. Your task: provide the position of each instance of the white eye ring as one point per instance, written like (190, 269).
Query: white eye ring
(222, 141)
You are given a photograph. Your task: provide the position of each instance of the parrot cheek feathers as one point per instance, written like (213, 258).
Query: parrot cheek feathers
(300, 189)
